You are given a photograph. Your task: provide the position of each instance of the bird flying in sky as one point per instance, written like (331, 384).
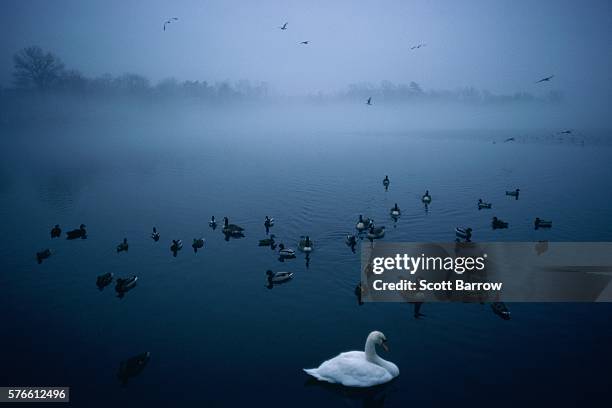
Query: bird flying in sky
(168, 21)
(369, 101)
(284, 26)
(304, 42)
(414, 47)
(545, 79)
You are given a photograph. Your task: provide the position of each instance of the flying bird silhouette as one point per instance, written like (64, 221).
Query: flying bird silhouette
(304, 42)
(168, 21)
(369, 101)
(566, 132)
(545, 79)
(510, 139)
(284, 26)
(414, 47)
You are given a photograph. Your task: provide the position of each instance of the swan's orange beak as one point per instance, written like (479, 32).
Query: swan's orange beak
(384, 346)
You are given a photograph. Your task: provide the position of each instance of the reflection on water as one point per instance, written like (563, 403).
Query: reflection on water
(209, 319)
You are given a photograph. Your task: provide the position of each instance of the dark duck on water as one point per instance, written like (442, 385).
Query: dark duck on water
(77, 233)
(56, 231)
(123, 246)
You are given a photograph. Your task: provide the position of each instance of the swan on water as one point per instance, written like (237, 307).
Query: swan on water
(358, 368)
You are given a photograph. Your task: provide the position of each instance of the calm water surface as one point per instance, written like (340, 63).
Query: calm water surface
(216, 334)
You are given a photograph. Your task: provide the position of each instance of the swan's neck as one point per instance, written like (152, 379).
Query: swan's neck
(370, 352)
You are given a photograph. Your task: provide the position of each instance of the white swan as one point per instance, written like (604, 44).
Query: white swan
(358, 368)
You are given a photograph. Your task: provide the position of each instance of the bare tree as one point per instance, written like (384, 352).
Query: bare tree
(36, 69)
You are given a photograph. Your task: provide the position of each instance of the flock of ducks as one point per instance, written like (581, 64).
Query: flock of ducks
(355, 368)
(364, 227)
(124, 285)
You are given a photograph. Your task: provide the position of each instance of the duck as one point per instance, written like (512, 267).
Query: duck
(363, 224)
(426, 197)
(376, 232)
(231, 228)
(483, 205)
(212, 223)
(56, 231)
(44, 254)
(498, 224)
(358, 368)
(198, 243)
(285, 252)
(351, 240)
(155, 235)
(539, 223)
(395, 211)
(306, 244)
(278, 277)
(500, 309)
(132, 367)
(124, 285)
(268, 222)
(267, 241)
(514, 193)
(177, 245)
(104, 280)
(77, 233)
(386, 181)
(463, 233)
(123, 246)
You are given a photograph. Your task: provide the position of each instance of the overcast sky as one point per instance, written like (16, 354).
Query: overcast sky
(500, 45)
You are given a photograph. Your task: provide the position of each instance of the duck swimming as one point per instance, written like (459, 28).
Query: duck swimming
(77, 233)
(426, 197)
(176, 246)
(278, 277)
(124, 285)
(463, 233)
(212, 223)
(44, 254)
(538, 223)
(104, 280)
(56, 231)
(285, 252)
(230, 228)
(363, 224)
(514, 193)
(305, 244)
(155, 235)
(351, 240)
(496, 223)
(395, 211)
(358, 368)
(198, 243)
(123, 246)
(386, 182)
(267, 241)
(500, 309)
(268, 222)
(132, 367)
(483, 205)
(376, 232)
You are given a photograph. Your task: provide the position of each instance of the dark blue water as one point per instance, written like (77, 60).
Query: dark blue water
(216, 334)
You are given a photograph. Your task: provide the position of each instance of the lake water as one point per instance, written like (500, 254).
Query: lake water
(217, 335)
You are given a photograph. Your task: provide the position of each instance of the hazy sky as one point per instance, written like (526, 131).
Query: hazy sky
(500, 45)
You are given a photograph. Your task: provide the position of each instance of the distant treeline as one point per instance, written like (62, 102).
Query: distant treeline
(387, 91)
(37, 71)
